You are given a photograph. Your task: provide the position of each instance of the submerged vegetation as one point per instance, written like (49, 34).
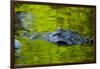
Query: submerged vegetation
(47, 18)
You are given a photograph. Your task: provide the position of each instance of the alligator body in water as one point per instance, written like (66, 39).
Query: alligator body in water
(61, 37)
